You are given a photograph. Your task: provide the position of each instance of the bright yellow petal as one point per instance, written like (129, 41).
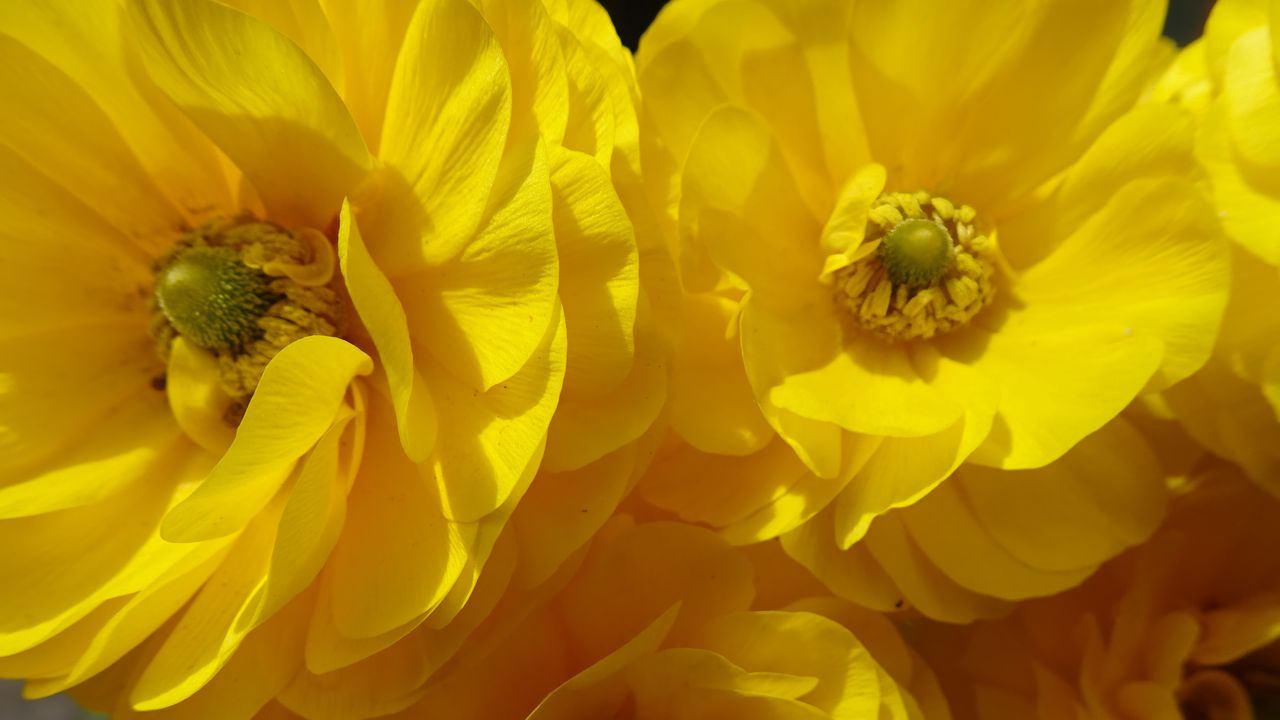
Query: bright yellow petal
(1151, 141)
(133, 440)
(393, 504)
(562, 510)
(260, 99)
(599, 690)
(1251, 90)
(57, 127)
(384, 319)
(1148, 308)
(448, 114)
(587, 426)
(90, 43)
(741, 202)
(369, 44)
(599, 267)
(712, 406)
(536, 60)
(483, 313)
(295, 404)
(214, 624)
(491, 439)
(77, 559)
(918, 80)
(1248, 208)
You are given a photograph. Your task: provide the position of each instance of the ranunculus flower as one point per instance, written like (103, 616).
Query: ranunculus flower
(662, 620)
(1229, 77)
(922, 238)
(1182, 626)
(291, 296)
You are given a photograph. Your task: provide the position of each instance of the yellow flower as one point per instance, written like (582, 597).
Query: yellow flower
(1229, 77)
(1183, 626)
(289, 301)
(659, 622)
(919, 238)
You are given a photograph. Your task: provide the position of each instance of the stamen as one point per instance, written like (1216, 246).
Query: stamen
(931, 271)
(243, 290)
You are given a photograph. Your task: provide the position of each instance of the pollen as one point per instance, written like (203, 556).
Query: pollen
(242, 289)
(927, 269)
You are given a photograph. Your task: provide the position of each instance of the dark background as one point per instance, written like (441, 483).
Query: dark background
(1184, 22)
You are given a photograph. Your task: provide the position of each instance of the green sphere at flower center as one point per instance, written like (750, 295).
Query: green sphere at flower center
(213, 299)
(916, 252)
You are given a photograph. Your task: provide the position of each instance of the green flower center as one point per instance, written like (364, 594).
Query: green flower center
(915, 253)
(931, 272)
(213, 299)
(241, 290)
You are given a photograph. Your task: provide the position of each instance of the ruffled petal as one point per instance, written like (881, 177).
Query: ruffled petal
(384, 319)
(288, 130)
(712, 406)
(741, 202)
(89, 43)
(489, 308)
(447, 119)
(492, 438)
(1147, 308)
(295, 404)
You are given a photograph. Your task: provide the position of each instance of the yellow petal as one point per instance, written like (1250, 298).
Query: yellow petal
(296, 402)
(1251, 90)
(599, 267)
(193, 386)
(711, 405)
(922, 584)
(845, 672)
(918, 80)
(599, 690)
(384, 318)
(304, 22)
(491, 439)
(214, 624)
(863, 385)
(56, 384)
(741, 202)
(536, 61)
(369, 44)
(63, 132)
(131, 441)
(587, 426)
(562, 510)
(1148, 308)
(312, 517)
(392, 504)
(1246, 205)
(901, 471)
(447, 118)
(91, 44)
(489, 308)
(633, 577)
(847, 225)
(1150, 141)
(260, 99)
(144, 612)
(259, 670)
(77, 559)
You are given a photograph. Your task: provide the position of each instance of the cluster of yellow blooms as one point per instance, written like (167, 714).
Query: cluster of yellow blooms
(824, 359)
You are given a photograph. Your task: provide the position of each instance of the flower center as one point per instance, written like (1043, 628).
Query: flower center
(241, 290)
(925, 268)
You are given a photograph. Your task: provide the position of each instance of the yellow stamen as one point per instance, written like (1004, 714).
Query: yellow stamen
(242, 290)
(931, 273)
